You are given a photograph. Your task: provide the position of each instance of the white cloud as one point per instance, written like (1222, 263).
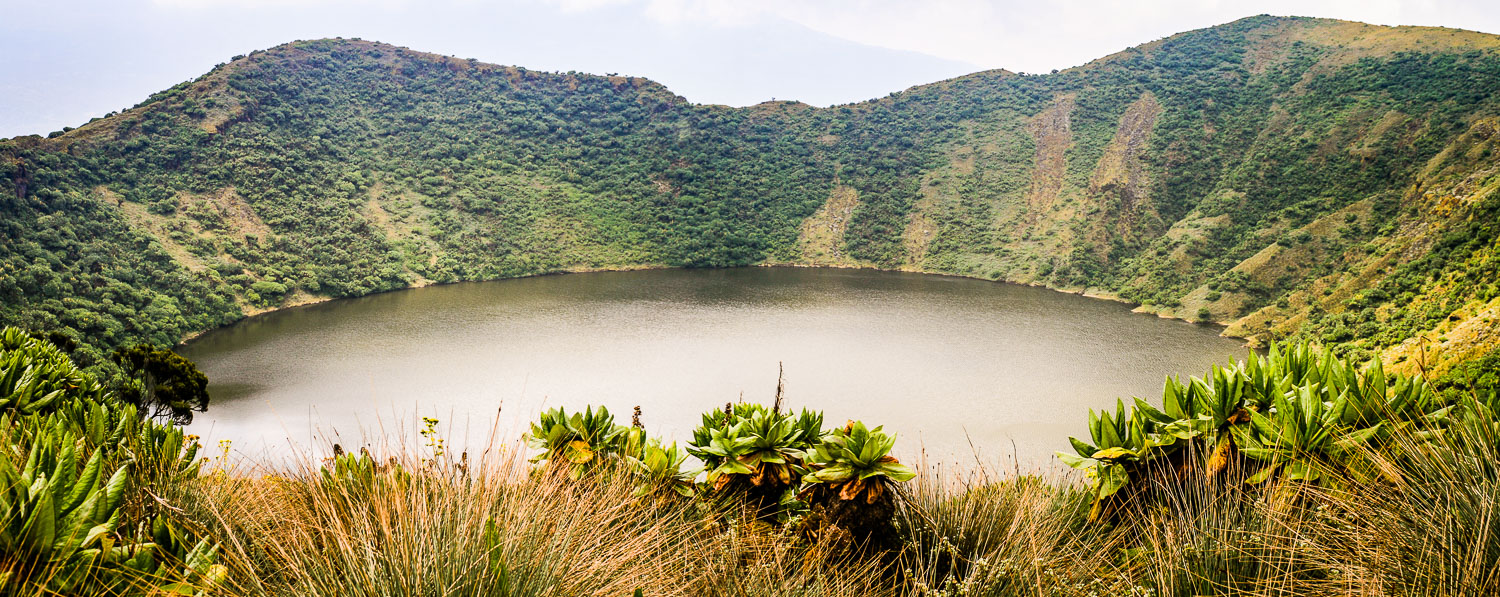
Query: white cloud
(1017, 34)
(1035, 36)
(281, 4)
(574, 6)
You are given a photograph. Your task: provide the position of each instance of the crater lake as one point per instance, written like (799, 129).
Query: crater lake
(955, 366)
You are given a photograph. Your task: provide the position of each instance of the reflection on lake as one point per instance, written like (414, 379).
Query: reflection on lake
(943, 361)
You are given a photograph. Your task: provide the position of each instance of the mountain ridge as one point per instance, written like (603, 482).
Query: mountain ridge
(1261, 173)
(1437, 34)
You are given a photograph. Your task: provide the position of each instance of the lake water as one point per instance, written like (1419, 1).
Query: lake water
(953, 365)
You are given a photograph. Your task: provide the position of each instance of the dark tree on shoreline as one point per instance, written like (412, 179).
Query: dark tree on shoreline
(162, 383)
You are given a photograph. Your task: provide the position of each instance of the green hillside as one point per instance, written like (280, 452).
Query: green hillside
(1290, 177)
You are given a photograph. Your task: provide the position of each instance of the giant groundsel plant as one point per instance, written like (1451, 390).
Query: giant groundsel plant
(1295, 414)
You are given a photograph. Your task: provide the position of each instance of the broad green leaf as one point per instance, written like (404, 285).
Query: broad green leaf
(1263, 474)
(1113, 453)
(579, 452)
(1076, 461)
(1112, 477)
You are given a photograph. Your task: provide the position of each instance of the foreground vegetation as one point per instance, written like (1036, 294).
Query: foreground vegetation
(1290, 473)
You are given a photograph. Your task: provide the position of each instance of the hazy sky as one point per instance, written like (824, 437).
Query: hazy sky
(65, 61)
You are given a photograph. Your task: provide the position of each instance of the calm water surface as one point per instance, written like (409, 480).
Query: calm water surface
(945, 362)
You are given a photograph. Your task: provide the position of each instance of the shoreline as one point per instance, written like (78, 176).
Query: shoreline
(302, 299)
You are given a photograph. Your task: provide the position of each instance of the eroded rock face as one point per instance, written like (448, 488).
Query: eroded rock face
(822, 236)
(1120, 188)
(1053, 135)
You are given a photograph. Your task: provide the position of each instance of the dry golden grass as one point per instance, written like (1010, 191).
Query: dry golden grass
(418, 527)
(492, 526)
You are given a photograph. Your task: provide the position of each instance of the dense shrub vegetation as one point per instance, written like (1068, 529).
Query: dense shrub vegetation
(1300, 177)
(82, 482)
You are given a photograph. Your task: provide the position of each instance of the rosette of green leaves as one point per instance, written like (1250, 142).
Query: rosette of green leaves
(1182, 416)
(809, 425)
(581, 441)
(361, 472)
(763, 447)
(58, 510)
(1120, 445)
(75, 462)
(718, 419)
(721, 452)
(1304, 438)
(61, 516)
(1206, 409)
(37, 377)
(858, 462)
(1374, 398)
(661, 469)
(160, 453)
(1321, 407)
(718, 422)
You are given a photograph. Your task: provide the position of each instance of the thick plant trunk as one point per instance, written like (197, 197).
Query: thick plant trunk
(869, 523)
(764, 499)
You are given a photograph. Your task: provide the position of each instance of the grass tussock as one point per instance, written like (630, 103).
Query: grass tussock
(1433, 530)
(494, 525)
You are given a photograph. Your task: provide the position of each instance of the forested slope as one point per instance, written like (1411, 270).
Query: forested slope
(1287, 176)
